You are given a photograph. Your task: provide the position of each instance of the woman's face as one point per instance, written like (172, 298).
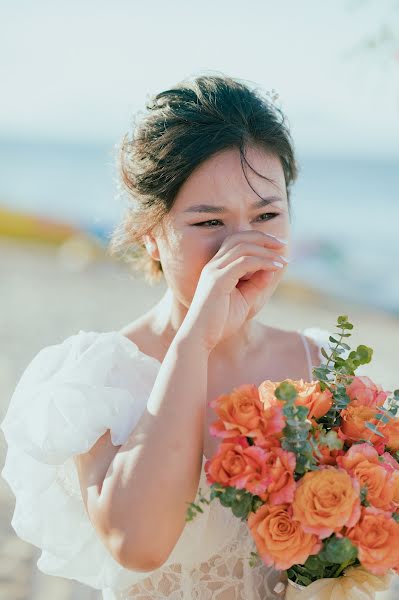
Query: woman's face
(190, 238)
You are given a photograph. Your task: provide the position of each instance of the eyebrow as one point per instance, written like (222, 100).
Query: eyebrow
(211, 208)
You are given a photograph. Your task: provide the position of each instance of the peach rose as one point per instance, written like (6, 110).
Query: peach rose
(281, 467)
(326, 500)
(280, 540)
(395, 494)
(239, 465)
(362, 462)
(353, 428)
(391, 432)
(364, 392)
(272, 441)
(376, 536)
(391, 464)
(309, 395)
(328, 456)
(242, 413)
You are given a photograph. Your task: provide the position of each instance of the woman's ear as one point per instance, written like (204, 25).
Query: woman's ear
(151, 246)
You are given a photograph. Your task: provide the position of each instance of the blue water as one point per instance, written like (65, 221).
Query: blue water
(345, 211)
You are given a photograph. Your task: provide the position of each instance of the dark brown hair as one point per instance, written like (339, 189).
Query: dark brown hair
(184, 126)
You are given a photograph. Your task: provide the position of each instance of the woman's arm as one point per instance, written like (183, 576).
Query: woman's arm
(136, 494)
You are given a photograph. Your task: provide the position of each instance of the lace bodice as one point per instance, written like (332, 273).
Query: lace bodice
(67, 397)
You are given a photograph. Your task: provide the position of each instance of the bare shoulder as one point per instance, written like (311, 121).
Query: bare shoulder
(139, 332)
(135, 330)
(290, 341)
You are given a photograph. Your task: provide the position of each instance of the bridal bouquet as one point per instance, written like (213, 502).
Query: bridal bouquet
(312, 467)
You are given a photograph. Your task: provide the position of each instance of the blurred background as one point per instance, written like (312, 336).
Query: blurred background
(73, 76)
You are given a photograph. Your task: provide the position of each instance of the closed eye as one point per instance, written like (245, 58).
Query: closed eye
(204, 223)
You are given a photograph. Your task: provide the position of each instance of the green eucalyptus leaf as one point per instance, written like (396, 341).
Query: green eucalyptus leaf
(339, 550)
(383, 418)
(302, 411)
(228, 497)
(374, 429)
(242, 506)
(331, 440)
(285, 391)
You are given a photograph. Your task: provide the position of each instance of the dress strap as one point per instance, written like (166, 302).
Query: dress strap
(308, 358)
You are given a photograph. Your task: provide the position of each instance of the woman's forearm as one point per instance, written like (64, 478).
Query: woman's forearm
(156, 472)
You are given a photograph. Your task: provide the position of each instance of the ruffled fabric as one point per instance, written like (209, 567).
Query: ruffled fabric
(67, 397)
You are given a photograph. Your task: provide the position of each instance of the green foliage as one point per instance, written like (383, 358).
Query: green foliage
(194, 508)
(254, 559)
(338, 550)
(374, 429)
(335, 556)
(331, 440)
(338, 372)
(296, 430)
(363, 496)
(241, 502)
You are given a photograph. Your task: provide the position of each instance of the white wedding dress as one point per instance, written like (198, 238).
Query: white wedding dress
(67, 397)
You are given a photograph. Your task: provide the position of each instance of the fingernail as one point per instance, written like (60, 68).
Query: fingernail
(278, 264)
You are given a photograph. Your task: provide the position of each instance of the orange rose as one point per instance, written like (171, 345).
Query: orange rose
(309, 395)
(391, 432)
(242, 413)
(395, 485)
(393, 465)
(281, 467)
(326, 500)
(280, 540)
(390, 462)
(362, 462)
(239, 465)
(376, 536)
(364, 392)
(329, 457)
(272, 441)
(353, 428)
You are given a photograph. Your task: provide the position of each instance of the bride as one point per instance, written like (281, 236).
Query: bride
(108, 432)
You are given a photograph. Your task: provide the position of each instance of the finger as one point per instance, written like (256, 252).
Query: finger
(256, 237)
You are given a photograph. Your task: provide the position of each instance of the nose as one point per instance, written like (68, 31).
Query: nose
(243, 227)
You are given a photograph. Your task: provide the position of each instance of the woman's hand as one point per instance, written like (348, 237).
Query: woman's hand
(222, 302)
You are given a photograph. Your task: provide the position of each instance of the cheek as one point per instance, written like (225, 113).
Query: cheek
(199, 249)
(185, 256)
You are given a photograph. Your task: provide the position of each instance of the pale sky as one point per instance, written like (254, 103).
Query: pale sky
(79, 69)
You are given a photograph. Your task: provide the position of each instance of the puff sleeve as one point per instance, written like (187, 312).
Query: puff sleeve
(67, 397)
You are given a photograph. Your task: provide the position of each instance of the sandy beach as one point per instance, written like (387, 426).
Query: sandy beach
(48, 293)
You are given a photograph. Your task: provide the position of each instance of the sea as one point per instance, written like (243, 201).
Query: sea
(345, 211)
